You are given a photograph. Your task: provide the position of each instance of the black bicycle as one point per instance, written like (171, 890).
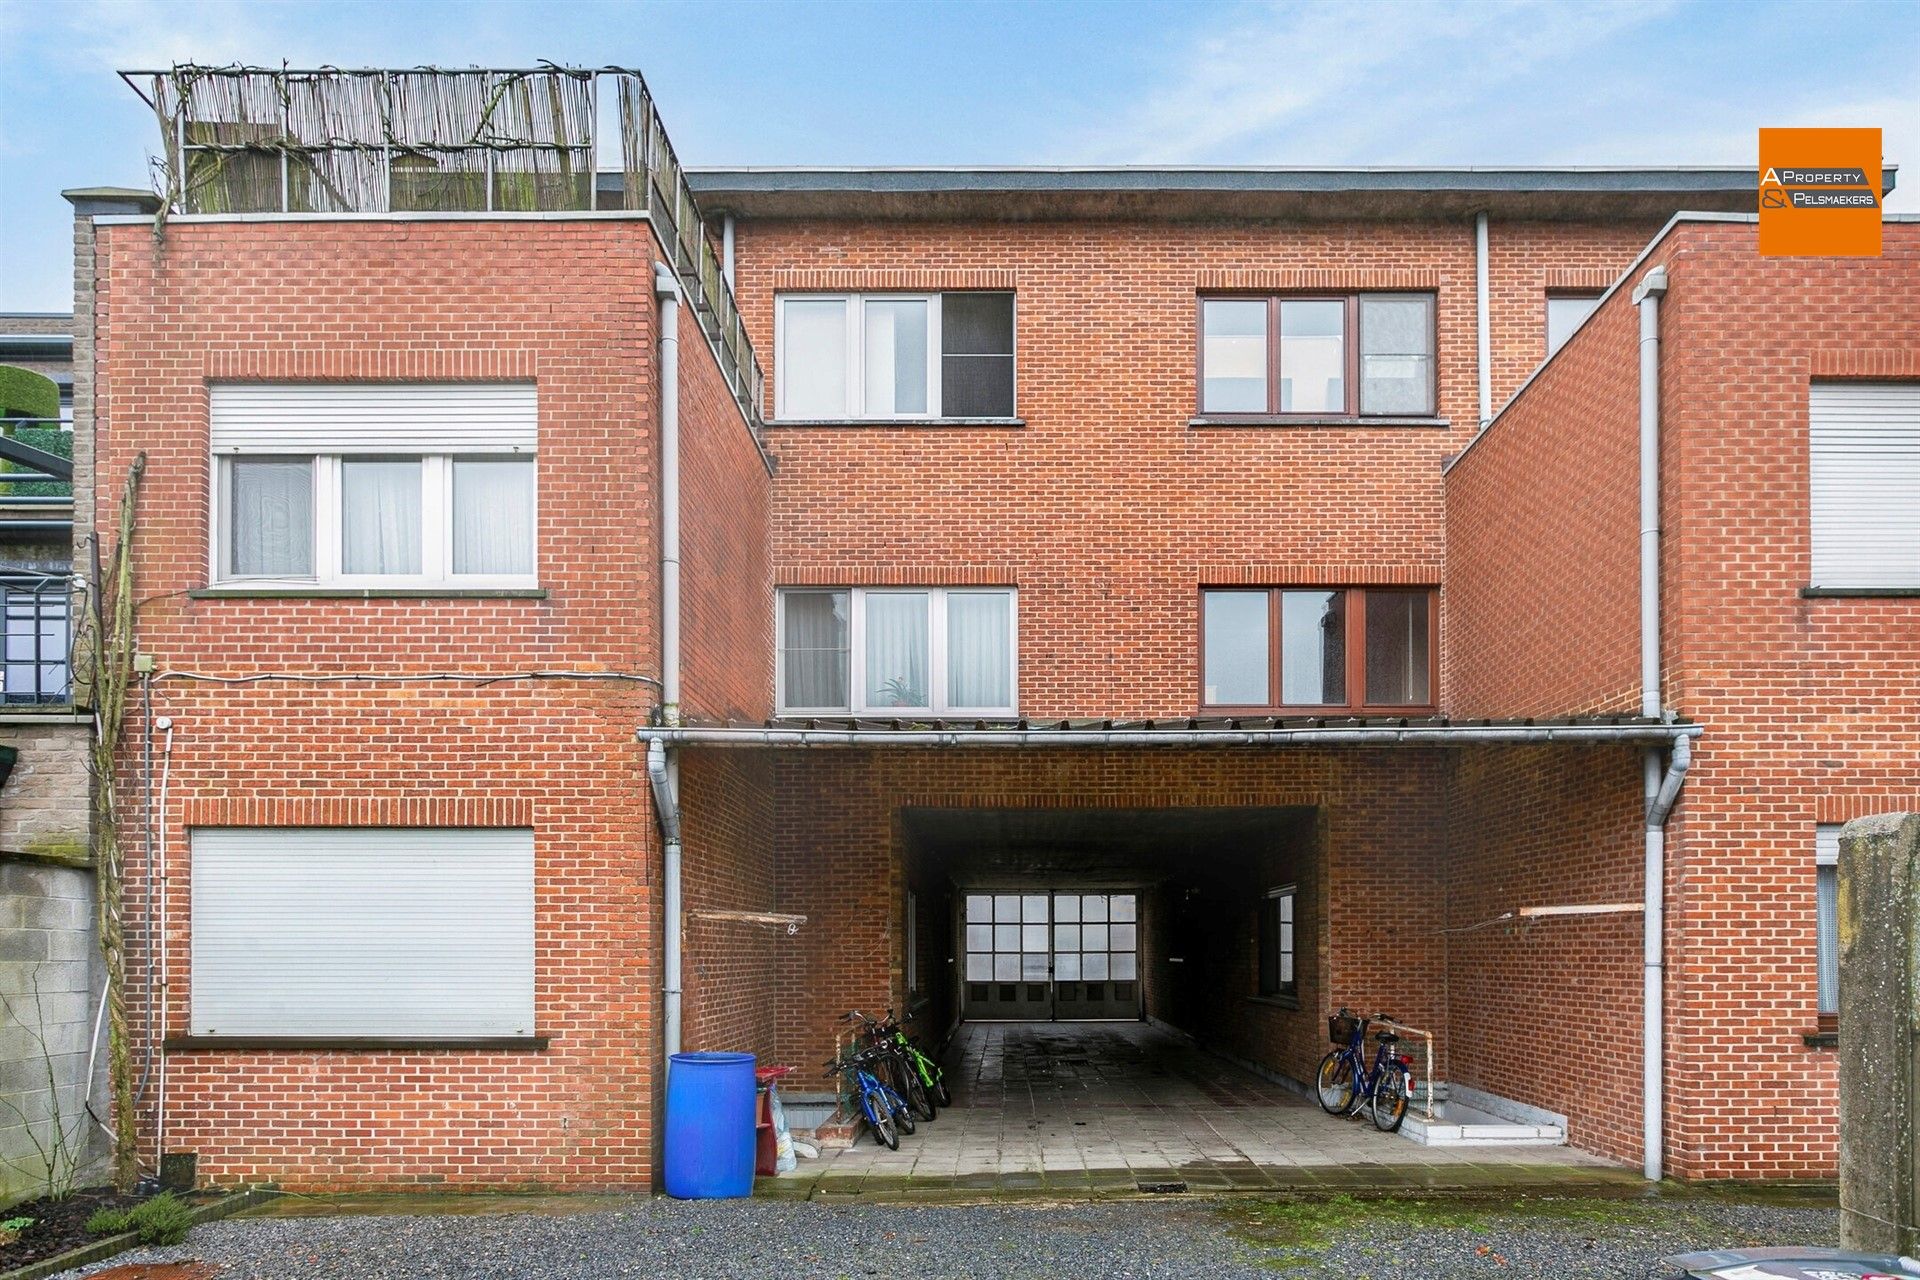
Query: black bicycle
(894, 1064)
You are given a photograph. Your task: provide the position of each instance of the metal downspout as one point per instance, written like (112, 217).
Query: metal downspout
(1661, 786)
(1484, 335)
(663, 769)
(726, 250)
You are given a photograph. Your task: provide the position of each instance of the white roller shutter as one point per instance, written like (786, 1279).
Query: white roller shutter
(373, 417)
(413, 933)
(1865, 484)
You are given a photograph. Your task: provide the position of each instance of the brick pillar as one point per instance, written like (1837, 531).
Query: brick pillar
(1879, 927)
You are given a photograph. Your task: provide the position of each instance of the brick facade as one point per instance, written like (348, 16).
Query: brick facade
(1809, 704)
(1108, 508)
(569, 305)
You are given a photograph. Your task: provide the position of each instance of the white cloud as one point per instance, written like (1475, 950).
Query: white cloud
(1362, 76)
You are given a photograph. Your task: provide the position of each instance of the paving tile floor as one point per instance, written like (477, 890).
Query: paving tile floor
(1120, 1107)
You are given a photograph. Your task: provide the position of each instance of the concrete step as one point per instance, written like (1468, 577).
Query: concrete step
(1470, 1118)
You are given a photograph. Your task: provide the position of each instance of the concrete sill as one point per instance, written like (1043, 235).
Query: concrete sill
(1290, 420)
(368, 593)
(898, 422)
(1275, 1002)
(1860, 593)
(354, 1044)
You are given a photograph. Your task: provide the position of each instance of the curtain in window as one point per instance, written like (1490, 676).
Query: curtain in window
(979, 658)
(896, 356)
(1396, 354)
(815, 632)
(270, 517)
(1827, 890)
(813, 358)
(1313, 357)
(897, 649)
(493, 515)
(380, 516)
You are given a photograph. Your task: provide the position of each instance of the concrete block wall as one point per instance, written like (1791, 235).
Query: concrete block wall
(51, 980)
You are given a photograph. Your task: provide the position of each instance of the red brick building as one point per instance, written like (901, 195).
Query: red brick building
(1120, 599)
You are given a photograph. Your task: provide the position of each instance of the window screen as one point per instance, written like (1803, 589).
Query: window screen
(1396, 353)
(976, 355)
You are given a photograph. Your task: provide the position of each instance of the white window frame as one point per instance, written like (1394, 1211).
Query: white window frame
(937, 598)
(436, 535)
(1826, 854)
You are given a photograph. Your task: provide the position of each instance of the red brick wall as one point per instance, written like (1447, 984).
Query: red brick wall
(1106, 509)
(1527, 261)
(1543, 521)
(1808, 704)
(842, 858)
(568, 305)
(730, 999)
(1547, 1012)
(726, 583)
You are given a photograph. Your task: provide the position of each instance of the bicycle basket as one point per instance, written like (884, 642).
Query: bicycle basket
(1340, 1029)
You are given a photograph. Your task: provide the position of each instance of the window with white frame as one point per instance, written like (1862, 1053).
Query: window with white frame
(852, 357)
(374, 484)
(1863, 475)
(883, 650)
(408, 933)
(1826, 885)
(1566, 312)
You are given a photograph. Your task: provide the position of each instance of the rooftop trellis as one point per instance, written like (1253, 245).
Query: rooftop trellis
(426, 139)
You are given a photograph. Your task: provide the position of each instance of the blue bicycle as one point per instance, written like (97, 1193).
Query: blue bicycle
(886, 1112)
(1345, 1082)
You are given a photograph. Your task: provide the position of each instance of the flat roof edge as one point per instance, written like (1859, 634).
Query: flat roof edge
(1369, 735)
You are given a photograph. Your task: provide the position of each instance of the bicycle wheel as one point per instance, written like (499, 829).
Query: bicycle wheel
(902, 1113)
(1390, 1100)
(916, 1094)
(880, 1117)
(941, 1094)
(1334, 1084)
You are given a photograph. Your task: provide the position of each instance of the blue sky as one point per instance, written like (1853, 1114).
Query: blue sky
(1071, 82)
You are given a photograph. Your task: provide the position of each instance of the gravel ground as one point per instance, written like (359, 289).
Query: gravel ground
(1355, 1240)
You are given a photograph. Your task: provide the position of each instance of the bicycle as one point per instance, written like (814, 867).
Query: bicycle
(893, 1051)
(1345, 1082)
(886, 1112)
(930, 1073)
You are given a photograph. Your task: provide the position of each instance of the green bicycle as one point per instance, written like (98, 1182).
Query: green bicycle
(892, 1033)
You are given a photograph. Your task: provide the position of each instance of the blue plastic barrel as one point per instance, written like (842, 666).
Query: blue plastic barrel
(709, 1146)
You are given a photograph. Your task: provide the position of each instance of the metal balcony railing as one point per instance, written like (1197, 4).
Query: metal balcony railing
(331, 140)
(36, 661)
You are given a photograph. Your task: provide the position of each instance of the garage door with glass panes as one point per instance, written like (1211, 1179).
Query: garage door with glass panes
(1051, 955)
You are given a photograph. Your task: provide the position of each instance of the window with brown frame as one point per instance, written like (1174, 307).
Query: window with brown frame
(1316, 648)
(1359, 355)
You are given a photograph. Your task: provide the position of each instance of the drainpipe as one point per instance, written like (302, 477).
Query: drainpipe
(663, 769)
(726, 250)
(1485, 336)
(1661, 786)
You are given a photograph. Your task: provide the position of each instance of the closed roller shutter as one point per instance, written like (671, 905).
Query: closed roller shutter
(1865, 484)
(411, 933)
(373, 417)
